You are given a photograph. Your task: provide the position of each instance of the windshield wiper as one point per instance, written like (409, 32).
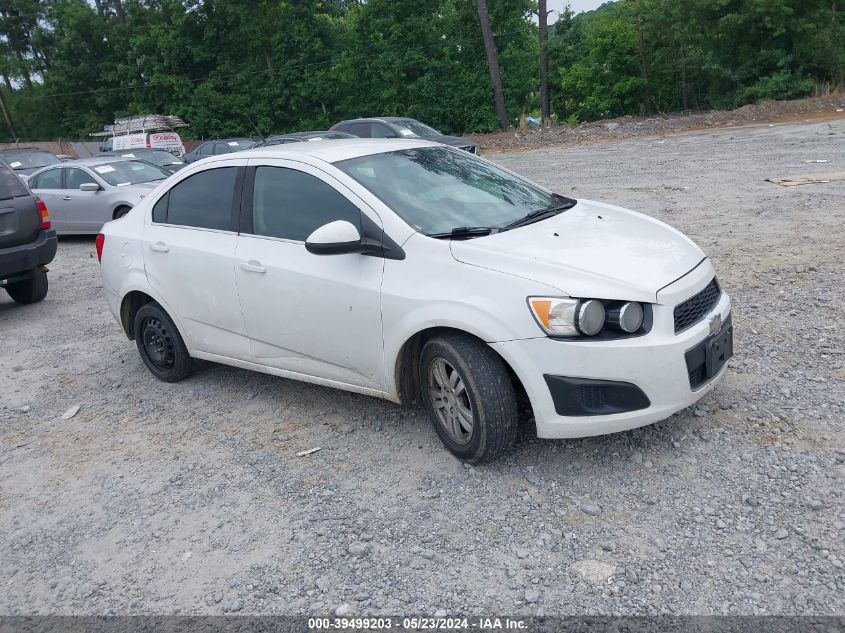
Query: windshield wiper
(541, 214)
(463, 232)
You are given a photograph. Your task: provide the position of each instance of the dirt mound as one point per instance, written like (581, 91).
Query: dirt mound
(830, 106)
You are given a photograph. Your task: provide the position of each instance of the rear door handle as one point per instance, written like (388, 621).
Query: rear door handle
(159, 247)
(252, 266)
(67, 198)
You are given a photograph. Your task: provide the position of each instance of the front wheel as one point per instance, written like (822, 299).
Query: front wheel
(30, 290)
(469, 397)
(160, 344)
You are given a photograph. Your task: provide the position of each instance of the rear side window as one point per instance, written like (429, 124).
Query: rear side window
(204, 200)
(10, 184)
(51, 179)
(291, 204)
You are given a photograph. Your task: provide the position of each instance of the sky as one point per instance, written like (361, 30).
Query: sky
(577, 5)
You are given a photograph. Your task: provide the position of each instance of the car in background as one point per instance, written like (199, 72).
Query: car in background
(218, 147)
(409, 270)
(166, 140)
(299, 137)
(85, 194)
(27, 241)
(401, 127)
(159, 157)
(27, 160)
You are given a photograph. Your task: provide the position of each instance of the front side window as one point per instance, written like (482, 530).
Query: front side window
(360, 129)
(438, 189)
(130, 172)
(50, 179)
(203, 200)
(379, 130)
(291, 204)
(75, 177)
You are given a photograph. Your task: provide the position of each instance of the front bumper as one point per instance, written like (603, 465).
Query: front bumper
(655, 363)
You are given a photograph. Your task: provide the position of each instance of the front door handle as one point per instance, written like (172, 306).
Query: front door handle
(159, 247)
(67, 198)
(252, 266)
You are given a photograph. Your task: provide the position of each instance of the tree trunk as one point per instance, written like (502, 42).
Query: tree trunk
(644, 66)
(8, 82)
(119, 12)
(9, 124)
(493, 63)
(545, 105)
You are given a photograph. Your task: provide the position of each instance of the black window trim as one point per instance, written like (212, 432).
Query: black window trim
(234, 211)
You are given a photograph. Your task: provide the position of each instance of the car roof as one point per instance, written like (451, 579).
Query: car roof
(381, 119)
(95, 160)
(332, 151)
(18, 150)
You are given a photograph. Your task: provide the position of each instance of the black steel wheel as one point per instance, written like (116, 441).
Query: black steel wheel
(160, 344)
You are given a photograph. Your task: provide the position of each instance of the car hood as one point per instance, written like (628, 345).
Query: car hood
(592, 250)
(454, 141)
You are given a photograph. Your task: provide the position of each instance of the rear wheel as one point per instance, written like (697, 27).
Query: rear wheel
(469, 397)
(30, 290)
(160, 344)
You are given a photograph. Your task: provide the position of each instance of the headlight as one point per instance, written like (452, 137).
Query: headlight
(568, 317)
(626, 317)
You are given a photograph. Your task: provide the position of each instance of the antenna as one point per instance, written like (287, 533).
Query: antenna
(254, 127)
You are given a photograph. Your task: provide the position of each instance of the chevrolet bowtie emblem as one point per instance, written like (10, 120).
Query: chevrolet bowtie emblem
(715, 324)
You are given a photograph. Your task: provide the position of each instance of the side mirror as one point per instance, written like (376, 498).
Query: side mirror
(89, 186)
(335, 238)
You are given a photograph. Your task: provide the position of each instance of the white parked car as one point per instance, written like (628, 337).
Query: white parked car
(409, 270)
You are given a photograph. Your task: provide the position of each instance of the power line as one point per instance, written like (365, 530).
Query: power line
(251, 72)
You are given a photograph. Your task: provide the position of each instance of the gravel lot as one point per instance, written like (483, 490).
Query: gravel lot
(189, 498)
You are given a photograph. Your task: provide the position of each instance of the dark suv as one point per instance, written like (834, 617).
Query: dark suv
(401, 127)
(27, 244)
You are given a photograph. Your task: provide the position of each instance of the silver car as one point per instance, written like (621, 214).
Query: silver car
(82, 195)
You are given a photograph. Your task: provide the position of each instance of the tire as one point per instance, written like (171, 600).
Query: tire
(30, 290)
(478, 389)
(120, 212)
(160, 345)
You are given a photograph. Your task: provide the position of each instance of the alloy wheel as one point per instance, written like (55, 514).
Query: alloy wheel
(450, 400)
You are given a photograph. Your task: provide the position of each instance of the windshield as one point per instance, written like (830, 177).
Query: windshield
(410, 127)
(158, 156)
(438, 189)
(130, 172)
(29, 160)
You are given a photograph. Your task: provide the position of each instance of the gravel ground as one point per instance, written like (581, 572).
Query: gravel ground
(189, 498)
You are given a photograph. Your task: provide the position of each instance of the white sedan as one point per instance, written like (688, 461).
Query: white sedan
(411, 271)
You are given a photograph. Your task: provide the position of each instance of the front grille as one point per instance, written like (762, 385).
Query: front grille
(693, 309)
